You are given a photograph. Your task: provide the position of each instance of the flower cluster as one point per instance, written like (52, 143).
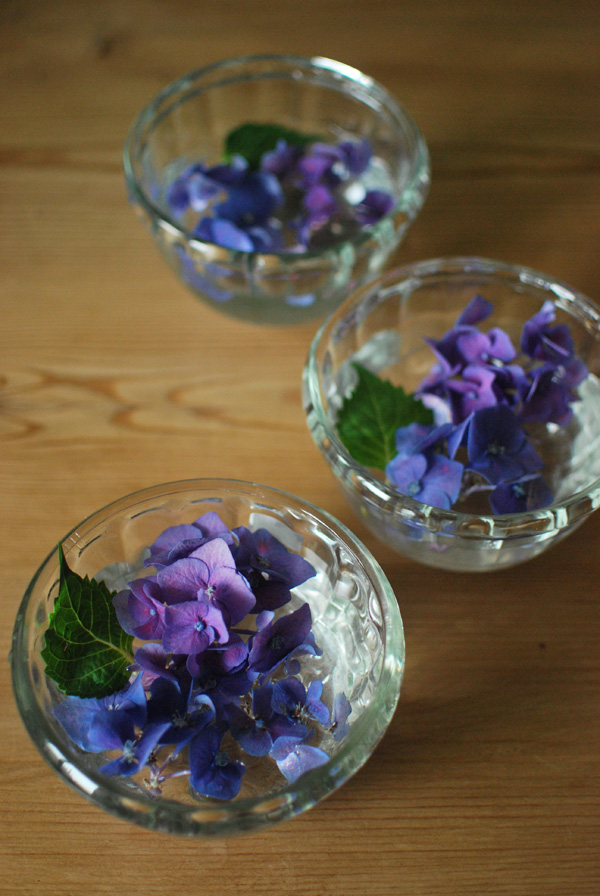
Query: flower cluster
(482, 394)
(301, 196)
(214, 665)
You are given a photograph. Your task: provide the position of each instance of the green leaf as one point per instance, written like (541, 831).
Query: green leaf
(87, 653)
(369, 418)
(253, 140)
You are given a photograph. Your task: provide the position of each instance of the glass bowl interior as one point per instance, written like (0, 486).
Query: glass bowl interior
(356, 623)
(189, 121)
(383, 326)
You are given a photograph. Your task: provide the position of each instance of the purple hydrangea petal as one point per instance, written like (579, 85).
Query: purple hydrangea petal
(473, 391)
(140, 611)
(342, 709)
(223, 233)
(251, 734)
(295, 759)
(272, 644)
(500, 346)
(154, 662)
(315, 708)
(192, 626)
(498, 448)
(374, 205)
(545, 343)
(212, 772)
(123, 711)
(357, 155)
(282, 160)
(135, 752)
(179, 541)
(405, 473)
(271, 569)
(435, 482)
(477, 310)
(548, 395)
(168, 704)
(442, 484)
(521, 497)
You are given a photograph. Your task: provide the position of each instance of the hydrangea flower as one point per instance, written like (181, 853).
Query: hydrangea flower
(77, 715)
(521, 496)
(543, 342)
(192, 626)
(134, 751)
(140, 610)
(180, 715)
(270, 568)
(291, 699)
(435, 482)
(276, 639)
(212, 772)
(180, 541)
(294, 758)
(481, 396)
(498, 448)
(257, 731)
(199, 680)
(209, 573)
(549, 393)
(293, 199)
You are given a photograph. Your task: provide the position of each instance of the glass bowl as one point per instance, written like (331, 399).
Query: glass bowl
(382, 326)
(189, 121)
(356, 625)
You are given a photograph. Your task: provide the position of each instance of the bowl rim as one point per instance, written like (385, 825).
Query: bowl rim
(241, 814)
(417, 178)
(473, 526)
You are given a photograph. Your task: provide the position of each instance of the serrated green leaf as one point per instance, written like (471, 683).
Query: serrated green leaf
(252, 140)
(86, 651)
(368, 419)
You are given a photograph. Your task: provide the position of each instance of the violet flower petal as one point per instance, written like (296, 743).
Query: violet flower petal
(212, 772)
(498, 448)
(521, 497)
(277, 640)
(295, 759)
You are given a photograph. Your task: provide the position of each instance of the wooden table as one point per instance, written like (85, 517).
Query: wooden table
(113, 378)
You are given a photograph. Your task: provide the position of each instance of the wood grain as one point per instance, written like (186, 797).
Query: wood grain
(113, 378)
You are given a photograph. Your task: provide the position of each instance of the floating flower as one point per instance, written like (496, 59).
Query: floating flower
(520, 497)
(270, 568)
(295, 758)
(128, 707)
(192, 626)
(140, 610)
(436, 481)
(212, 772)
(180, 541)
(291, 699)
(498, 448)
(276, 640)
(290, 197)
(209, 573)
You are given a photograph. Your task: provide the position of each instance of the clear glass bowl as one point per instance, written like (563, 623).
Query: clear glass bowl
(356, 623)
(189, 120)
(383, 326)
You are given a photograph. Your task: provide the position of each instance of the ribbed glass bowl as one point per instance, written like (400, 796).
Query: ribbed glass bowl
(382, 326)
(356, 623)
(189, 120)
